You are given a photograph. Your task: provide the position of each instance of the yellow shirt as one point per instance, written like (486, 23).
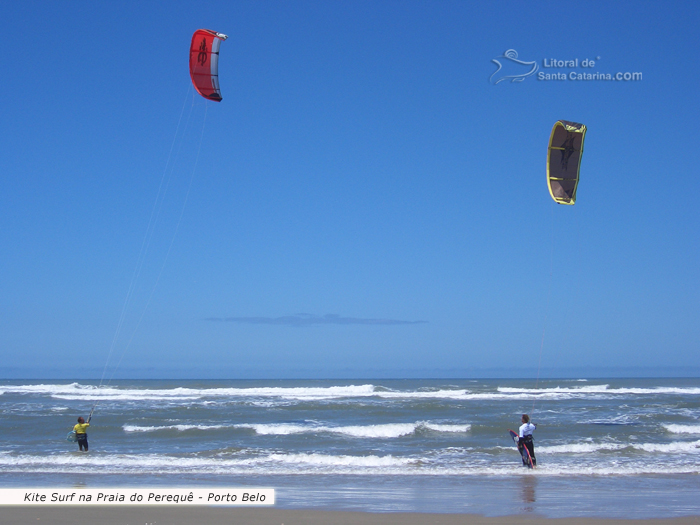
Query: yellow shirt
(80, 428)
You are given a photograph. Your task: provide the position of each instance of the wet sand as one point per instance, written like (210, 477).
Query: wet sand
(125, 515)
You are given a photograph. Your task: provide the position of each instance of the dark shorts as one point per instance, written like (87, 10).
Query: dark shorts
(527, 442)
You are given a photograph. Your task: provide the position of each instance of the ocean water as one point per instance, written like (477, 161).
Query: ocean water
(612, 448)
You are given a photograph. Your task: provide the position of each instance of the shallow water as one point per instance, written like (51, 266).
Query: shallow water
(617, 447)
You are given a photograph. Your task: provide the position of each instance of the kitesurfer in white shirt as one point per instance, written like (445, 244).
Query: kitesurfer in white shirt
(525, 441)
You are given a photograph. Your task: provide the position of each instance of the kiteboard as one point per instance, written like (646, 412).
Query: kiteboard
(72, 436)
(516, 439)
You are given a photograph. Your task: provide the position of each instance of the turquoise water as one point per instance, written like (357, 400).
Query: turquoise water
(616, 447)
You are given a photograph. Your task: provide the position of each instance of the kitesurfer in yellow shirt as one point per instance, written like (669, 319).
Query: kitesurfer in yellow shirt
(81, 432)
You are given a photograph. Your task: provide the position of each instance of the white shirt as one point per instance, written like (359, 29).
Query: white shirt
(527, 429)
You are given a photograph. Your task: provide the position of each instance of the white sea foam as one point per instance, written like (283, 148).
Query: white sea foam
(80, 392)
(279, 429)
(181, 428)
(602, 389)
(683, 429)
(124, 397)
(299, 463)
(555, 390)
(436, 394)
(76, 391)
(318, 463)
(386, 431)
(579, 448)
(447, 428)
(44, 389)
(343, 460)
(679, 447)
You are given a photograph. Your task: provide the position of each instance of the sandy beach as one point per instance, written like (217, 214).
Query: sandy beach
(110, 515)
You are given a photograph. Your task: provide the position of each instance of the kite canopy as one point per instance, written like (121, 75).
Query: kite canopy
(204, 63)
(564, 160)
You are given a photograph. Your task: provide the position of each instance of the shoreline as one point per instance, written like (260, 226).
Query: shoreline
(651, 499)
(126, 515)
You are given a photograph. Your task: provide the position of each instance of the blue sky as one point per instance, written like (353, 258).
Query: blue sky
(363, 202)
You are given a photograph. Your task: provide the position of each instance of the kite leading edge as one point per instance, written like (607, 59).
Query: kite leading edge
(204, 63)
(564, 160)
